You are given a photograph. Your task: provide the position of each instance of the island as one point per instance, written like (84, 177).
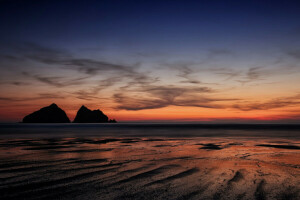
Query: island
(54, 114)
(85, 115)
(49, 114)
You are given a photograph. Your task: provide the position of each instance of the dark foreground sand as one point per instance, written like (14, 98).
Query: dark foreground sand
(149, 168)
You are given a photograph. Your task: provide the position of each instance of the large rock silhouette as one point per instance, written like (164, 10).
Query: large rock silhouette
(49, 114)
(85, 115)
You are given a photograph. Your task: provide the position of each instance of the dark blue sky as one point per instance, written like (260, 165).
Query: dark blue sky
(150, 25)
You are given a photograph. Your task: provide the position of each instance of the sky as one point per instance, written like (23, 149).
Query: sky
(152, 61)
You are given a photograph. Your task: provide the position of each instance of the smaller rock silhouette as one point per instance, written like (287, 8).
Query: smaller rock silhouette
(112, 121)
(49, 114)
(85, 115)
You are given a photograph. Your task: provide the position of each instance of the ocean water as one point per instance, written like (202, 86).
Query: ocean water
(148, 129)
(149, 161)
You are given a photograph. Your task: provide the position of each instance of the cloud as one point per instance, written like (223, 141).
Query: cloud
(138, 103)
(250, 75)
(134, 89)
(152, 97)
(9, 58)
(272, 104)
(24, 51)
(295, 53)
(92, 67)
(186, 73)
(62, 58)
(15, 83)
(41, 53)
(212, 53)
(92, 92)
(38, 97)
(57, 81)
(229, 73)
(87, 67)
(253, 74)
(66, 59)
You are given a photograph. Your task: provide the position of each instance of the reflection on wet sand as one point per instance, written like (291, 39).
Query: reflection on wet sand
(149, 168)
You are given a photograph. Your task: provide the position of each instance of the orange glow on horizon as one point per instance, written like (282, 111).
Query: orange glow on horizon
(170, 113)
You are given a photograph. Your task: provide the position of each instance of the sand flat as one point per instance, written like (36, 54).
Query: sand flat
(149, 168)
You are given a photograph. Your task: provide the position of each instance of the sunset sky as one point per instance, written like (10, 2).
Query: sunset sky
(208, 61)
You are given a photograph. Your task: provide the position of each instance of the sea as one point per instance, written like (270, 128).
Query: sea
(150, 129)
(149, 161)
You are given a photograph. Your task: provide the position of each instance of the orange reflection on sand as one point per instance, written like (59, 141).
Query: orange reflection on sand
(113, 168)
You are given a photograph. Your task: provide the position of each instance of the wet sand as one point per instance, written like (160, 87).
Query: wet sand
(149, 168)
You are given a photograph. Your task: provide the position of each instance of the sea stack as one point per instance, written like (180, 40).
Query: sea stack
(49, 114)
(85, 115)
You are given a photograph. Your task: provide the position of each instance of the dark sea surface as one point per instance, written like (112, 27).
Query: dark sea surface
(148, 129)
(149, 161)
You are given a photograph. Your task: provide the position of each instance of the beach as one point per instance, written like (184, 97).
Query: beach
(143, 167)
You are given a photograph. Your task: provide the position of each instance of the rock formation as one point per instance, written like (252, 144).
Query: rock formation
(85, 115)
(49, 114)
(112, 121)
